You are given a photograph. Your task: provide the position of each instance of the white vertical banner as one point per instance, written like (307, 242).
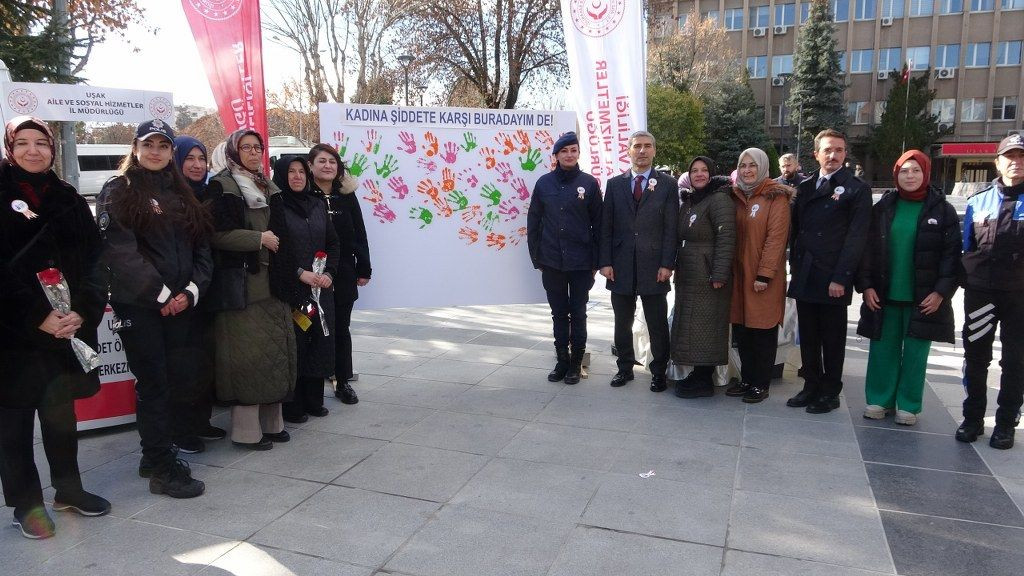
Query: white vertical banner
(604, 40)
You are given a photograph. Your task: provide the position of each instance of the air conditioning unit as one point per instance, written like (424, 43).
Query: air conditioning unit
(886, 21)
(760, 32)
(945, 72)
(945, 127)
(778, 81)
(780, 30)
(884, 74)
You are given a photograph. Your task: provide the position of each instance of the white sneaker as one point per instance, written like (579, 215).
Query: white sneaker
(874, 412)
(905, 418)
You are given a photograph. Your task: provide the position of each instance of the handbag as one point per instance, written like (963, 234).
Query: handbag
(228, 288)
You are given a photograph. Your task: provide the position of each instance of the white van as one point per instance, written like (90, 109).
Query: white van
(96, 164)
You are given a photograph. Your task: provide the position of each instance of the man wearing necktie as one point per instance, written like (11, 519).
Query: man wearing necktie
(830, 220)
(638, 252)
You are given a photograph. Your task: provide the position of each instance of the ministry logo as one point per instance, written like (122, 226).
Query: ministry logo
(216, 9)
(596, 18)
(160, 107)
(22, 101)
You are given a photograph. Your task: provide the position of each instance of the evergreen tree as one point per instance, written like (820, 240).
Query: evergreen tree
(907, 122)
(31, 50)
(816, 99)
(676, 120)
(734, 123)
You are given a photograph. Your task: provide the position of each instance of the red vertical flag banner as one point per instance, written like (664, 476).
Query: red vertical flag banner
(227, 33)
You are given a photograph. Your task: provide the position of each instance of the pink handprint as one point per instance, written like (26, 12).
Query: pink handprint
(432, 144)
(508, 210)
(504, 171)
(505, 141)
(447, 179)
(524, 141)
(545, 139)
(397, 184)
(428, 189)
(372, 142)
(495, 239)
(383, 213)
(408, 142)
(472, 213)
(374, 197)
(519, 186)
(428, 165)
(488, 155)
(472, 180)
(468, 234)
(451, 152)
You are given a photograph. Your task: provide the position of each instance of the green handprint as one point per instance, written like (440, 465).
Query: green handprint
(470, 141)
(359, 161)
(388, 167)
(490, 192)
(421, 214)
(530, 162)
(489, 219)
(459, 199)
(344, 147)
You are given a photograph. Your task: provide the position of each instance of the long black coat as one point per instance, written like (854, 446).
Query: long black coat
(829, 229)
(37, 369)
(936, 258)
(638, 239)
(353, 247)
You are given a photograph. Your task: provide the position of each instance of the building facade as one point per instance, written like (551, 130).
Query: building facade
(971, 49)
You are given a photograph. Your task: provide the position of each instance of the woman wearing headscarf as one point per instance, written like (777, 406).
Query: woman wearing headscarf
(44, 223)
(908, 278)
(155, 245)
(707, 245)
(759, 272)
(299, 218)
(255, 362)
(338, 189)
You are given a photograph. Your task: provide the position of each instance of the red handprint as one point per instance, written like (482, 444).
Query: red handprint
(372, 142)
(443, 208)
(408, 142)
(518, 237)
(504, 171)
(397, 184)
(428, 189)
(432, 144)
(505, 141)
(495, 239)
(451, 152)
(524, 141)
(447, 179)
(488, 155)
(519, 187)
(472, 213)
(545, 139)
(468, 234)
(508, 210)
(374, 197)
(428, 165)
(383, 213)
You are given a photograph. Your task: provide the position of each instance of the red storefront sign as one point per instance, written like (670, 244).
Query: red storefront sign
(970, 149)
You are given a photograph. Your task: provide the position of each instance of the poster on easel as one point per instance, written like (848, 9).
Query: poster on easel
(114, 404)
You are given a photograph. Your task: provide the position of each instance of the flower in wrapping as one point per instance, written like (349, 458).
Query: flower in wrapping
(319, 265)
(59, 295)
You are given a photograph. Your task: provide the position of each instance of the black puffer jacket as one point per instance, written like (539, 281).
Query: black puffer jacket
(354, 249)
(936, 258)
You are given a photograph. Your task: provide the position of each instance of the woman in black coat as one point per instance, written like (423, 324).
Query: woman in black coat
(44, 223)
(299, 218)
(338, 189)
(908, 278)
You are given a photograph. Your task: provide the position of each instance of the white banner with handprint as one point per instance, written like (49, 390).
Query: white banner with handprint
(444, 193)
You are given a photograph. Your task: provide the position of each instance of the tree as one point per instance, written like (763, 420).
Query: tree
(816, 99)
(183, 116)
(207, 129)
(696, 58)
(495, 46)
(312, 28)
(734, 123)
(907, 122)
(374, 22)
(113, 134)
(676, 118)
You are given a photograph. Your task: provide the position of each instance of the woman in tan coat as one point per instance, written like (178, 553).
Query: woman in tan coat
(759, 272)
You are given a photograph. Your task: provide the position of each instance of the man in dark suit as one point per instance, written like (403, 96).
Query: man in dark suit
(638, 252)
(830, 220)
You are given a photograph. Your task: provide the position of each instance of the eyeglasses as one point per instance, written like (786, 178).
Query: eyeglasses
(745, 166)
(251, 148)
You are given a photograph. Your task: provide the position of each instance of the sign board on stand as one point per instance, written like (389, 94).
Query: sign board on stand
(114, 404)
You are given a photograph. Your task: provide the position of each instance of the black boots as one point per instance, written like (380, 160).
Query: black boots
(575, 367)
(561, 365)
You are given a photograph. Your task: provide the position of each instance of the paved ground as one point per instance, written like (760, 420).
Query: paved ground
(461, 459)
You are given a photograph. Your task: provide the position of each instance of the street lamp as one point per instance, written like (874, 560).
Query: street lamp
(421, 89)
(787, 77)
(405, 60)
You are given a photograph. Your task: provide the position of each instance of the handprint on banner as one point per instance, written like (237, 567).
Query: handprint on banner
(451, 152)
(359, 162)
(408, 142)
(428, 165)
(545, 139)
(388, 167)
(490, 192)
(374, 196)
(468, 234)
(469, 177)
(397, 184)
(432, 144)
(531, 160)
(444, 210)
(384, 214)
(505, 141)
(470, 141)
(428, 189)
(519, 186)
(340, 142)
(372, 142)
(524, 141)
(489, 220)
(447, 179)
(459, 199)
(472, 214)
(488, 155)
(496, 240)
(509, 210)
(516, 238)
(504, 172)
(421, 214)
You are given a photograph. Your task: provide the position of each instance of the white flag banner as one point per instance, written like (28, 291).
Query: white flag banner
(604, 40)
(81, 103)
(444, 193)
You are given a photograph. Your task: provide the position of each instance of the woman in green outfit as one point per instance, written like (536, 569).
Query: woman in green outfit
(907, 277)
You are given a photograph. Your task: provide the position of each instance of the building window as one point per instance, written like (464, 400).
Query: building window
(840, 10)
(842, 61)
(947, 56)
(759, 17)
(951, 6)
(1008, 53)
(890, 59)
(861, 61)
(713, 16)
(918, 55)
(682, 21)
(785, 14)
(734, 19)
(977, 55)
(892, 8)
(1004, 108)
(859, 112)
(865, 10)
(776, 115)
(920, 8)
(879, 110)
(972, 110)
(805, 11)
(757, 66)
(983, 5)
(1012, 4)
(944, 108)
(782, 64)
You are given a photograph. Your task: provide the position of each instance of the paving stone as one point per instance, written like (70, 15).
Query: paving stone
(739, 563)
(591, 551)
(802, 436)
(415, 392)
(570, 446)
(311, 455)
(474, 433)
(926, 545)
(502, 402)
(370, 420)
(414, 471)
(253, 560)
(810, 476)
(448, 370)
(679, 459)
